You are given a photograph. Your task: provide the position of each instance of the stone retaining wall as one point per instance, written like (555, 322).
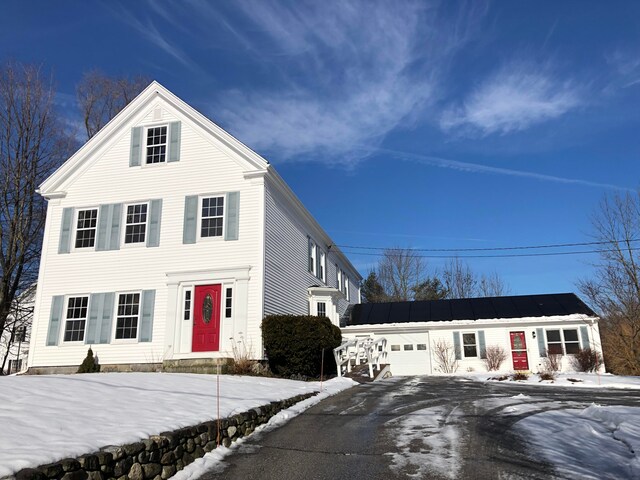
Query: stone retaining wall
(160, 456)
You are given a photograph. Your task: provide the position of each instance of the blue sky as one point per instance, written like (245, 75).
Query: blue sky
(415, 124)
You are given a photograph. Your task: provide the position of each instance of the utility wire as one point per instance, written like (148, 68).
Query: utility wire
(486, 249)
(506, 255)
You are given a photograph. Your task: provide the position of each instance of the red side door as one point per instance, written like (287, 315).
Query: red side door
(206, 319)
(519, 351)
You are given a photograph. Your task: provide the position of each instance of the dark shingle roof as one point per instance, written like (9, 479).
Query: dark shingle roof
(469, 309)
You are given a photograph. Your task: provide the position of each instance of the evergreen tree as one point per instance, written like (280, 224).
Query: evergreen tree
(371, 290)
(430, 289)
(89, 364)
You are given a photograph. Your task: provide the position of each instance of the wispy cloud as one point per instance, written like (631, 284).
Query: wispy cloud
(486, 169)
(626, 65)
(350, 79)
(516, 97)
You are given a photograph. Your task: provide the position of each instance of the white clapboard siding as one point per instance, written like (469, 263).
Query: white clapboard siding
(107, 178)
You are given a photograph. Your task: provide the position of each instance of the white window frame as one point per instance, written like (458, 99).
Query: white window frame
(201, 199)
(66, 319)
(114, 338)
(323, 267)
(124, 222)
(76, 215)
(563, 340)
(225, 307)
(146, 145)
(313, 258)
(475, 344)
(346, 288)
(339, 275)
(187, 315)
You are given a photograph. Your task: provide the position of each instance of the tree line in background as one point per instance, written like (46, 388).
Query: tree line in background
(402, 275)
(34, 141)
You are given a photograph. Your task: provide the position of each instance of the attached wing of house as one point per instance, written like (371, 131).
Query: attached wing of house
(528, 328)
(167, 241)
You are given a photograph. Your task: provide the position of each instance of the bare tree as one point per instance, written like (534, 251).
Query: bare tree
(32, 144)
(615, 290)
(399, 270)
(492, 285)
(459, 279)
(102, 97)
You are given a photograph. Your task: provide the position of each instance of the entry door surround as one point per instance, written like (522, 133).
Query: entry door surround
(519, 350)
(206, 318)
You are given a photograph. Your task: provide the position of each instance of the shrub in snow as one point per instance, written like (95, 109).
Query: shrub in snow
(294, 344)
(546, 376)
(89, 364)
(445, 355)
(586, 360)
(495, 356)
(519, 376)
(552, 363)
(242, 362)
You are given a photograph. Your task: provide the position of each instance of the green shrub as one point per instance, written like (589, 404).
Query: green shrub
(89, 364)
(294, 344)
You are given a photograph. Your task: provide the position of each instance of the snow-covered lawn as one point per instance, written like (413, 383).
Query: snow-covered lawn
(47, 418)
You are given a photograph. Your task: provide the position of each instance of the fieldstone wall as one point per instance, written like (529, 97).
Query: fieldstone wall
(160, 456)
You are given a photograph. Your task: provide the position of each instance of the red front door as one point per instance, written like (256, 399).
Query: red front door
(206, 319)
(519, 351)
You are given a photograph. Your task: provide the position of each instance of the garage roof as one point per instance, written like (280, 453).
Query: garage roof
(517, 306)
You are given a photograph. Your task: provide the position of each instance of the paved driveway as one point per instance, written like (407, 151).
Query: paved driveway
(409, 427)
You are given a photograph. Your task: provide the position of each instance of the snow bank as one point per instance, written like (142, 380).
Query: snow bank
(584, 380)
(46, 418)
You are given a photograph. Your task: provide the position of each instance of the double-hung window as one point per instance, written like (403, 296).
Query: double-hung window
(76, 319)
(339, 275)
(469, 345)
(212, 217)
(346, 287)
(560, 342)
(86, 228)
(321, 308)
(136, 223)
(156, 145)
(313, 251)
(128, 316)
(323, 267)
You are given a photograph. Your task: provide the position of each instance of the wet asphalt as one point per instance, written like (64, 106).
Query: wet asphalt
(410, 427)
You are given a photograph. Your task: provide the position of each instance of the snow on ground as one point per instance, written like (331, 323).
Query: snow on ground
(215, 460)
(584, 380)
(50, 417)
(598, 442)
(428, 442)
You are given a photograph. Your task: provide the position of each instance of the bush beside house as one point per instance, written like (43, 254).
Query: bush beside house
(294, 344)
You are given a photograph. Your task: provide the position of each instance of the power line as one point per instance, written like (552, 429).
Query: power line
(506, 255)
(486, 249)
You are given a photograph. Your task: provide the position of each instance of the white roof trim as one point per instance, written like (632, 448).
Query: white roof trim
(56, 183)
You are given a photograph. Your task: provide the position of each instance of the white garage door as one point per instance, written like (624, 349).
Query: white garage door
(408, 354)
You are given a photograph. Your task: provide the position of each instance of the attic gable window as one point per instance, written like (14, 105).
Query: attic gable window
(86, 228)
(156, 145)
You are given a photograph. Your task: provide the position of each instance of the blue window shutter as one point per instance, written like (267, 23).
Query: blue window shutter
(456, 345)
(96, 304)
(541, 344)
(105, 319)
(174, 141)
(104, 221)
(146, 319)
(310, 254)
(114, 227)
(55, 319)
(232, 216)
(584, 335)
(318, 274)
(481, 344)
(65, 231)
(155, 214)
(135, 154)
(190, 219)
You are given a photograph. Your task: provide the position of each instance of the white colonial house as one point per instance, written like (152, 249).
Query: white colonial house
(168, 240)
(529, 328)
